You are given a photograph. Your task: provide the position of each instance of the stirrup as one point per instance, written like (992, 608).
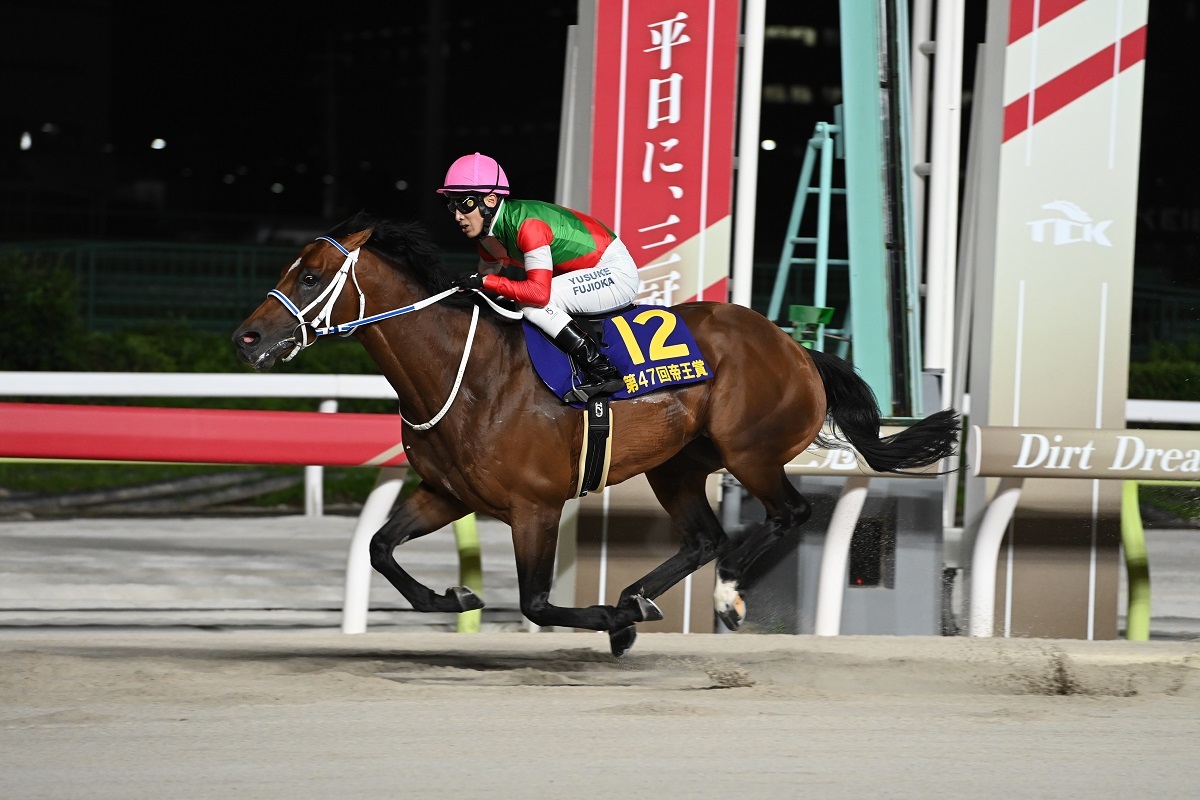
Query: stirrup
(586, 391)
(576, 395)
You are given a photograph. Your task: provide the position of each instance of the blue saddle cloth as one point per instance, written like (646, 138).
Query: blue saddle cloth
(650, 346)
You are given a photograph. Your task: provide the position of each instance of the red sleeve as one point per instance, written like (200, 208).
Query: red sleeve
(533, 291)
(532, 234)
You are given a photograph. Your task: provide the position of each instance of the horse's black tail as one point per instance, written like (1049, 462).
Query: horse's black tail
(853, 407)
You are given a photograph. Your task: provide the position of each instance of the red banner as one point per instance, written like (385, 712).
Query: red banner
(662, 140)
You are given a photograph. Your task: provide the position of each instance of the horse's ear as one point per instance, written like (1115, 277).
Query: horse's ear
(358, 239)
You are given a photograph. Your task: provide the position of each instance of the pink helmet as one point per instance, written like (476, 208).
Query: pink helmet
(475, 173)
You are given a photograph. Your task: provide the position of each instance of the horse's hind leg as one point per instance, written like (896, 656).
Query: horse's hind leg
(786, 510)
(679, 485)
(422, 512)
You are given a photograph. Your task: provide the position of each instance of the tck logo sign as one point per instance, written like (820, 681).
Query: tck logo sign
(1075, 226)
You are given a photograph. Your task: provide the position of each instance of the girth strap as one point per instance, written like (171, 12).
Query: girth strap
(596, 452)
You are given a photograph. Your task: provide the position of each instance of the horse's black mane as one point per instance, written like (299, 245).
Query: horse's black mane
(402, 243)
(406, 246)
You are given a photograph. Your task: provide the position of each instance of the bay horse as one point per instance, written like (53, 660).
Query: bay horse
(486, 435)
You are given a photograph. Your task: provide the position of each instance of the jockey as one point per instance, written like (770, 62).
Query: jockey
(573, 263)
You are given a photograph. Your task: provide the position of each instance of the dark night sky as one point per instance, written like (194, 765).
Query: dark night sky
(288, 98)
(219, 83)
(256, 95)
(244, 97)
(243, 94)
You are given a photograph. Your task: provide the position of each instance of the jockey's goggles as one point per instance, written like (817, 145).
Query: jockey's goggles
(465, 203)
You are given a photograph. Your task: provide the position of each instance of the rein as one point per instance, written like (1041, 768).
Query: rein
(334, 290)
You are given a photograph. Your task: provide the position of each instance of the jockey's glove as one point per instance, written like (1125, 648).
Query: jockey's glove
(472, 280)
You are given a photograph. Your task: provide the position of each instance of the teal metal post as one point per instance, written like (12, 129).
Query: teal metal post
(870, 328)
(883, 291)
(821, 277)
(913, 265)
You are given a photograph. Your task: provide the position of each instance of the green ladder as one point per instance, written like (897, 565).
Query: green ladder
(809, 322)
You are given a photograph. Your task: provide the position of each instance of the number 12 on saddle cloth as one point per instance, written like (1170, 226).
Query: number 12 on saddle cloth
(650, 346)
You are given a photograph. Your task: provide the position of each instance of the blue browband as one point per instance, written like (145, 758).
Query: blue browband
(335, 243)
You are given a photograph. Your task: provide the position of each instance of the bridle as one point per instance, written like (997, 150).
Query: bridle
(321, 324)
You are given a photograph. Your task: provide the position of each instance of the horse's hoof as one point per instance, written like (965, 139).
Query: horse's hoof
(730, 619)
(647, 610)
(621, 641)
(467, 600)
(729, 605)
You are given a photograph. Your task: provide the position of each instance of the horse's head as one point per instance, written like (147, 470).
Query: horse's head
(319, 290)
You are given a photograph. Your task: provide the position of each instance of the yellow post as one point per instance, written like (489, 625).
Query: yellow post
(1137, 565)
(470, 569)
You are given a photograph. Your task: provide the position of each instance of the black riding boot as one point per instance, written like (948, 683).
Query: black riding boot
(599, 374)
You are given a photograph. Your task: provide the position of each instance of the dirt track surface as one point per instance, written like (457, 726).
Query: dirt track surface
(304, 714)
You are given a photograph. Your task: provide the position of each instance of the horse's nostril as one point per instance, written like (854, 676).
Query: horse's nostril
(249, 337)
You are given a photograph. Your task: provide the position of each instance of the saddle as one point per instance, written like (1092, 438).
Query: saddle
(652, 349)
(650, 346)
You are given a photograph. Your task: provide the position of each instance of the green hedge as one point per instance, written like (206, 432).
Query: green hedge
(42, 325)
(45, 332)
(1171, 373)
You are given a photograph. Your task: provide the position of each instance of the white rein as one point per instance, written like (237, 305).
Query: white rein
(334, 290)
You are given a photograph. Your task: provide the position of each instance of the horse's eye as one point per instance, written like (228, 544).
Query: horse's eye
(308, 279)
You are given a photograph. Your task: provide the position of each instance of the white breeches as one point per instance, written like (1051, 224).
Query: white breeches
(611, 284)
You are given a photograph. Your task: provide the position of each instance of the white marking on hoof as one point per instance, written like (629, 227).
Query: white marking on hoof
(727, 601)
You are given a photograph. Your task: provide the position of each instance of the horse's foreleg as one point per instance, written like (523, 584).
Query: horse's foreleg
(421, 513)
(786, 510)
